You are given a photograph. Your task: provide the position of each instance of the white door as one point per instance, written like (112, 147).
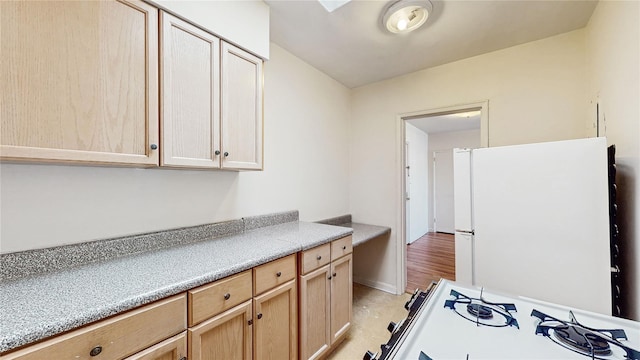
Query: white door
(443, 191)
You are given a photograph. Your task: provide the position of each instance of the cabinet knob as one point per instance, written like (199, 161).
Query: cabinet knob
(183, 358)
(319, 257)
(217, 152)
(96, 351)
(227, 296)
(259, 316)
(344, 247)
(278, 274)
(154, 147)
(226, 154)
(250, 322)
(334, 274)
(329, 277)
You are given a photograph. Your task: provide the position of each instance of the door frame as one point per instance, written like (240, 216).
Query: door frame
(401, 242)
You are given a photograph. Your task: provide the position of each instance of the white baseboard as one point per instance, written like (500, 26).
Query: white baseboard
(376, 285)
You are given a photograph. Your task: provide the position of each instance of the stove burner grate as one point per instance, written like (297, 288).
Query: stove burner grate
(481, 311)
(594, 343)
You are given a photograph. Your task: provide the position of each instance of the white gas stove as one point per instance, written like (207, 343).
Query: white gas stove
(451, 321)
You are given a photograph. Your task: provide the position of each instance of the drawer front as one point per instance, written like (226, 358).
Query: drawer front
(272, 274)
(114, 338)
(315, 258)
(171, 349)
(209, 300)
(341, 247)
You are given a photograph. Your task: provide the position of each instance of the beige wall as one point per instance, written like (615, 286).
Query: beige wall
(306, 127)
(536, 92)
(613, 54)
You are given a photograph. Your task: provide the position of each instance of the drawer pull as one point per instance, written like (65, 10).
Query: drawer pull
(227, 296)
(96, 351)
(259, 316)
(278, 274)
(319, 257)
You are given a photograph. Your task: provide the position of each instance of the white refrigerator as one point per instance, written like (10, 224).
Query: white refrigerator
(533, 220)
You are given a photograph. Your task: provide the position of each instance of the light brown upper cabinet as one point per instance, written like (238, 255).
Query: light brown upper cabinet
(79, 81)
(190, 95)
(211, 100)
(241, 103)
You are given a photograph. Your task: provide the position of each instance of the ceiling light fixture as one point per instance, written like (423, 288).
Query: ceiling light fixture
(404, 16)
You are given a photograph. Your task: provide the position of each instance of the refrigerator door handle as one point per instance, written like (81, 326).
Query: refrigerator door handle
(472, 232)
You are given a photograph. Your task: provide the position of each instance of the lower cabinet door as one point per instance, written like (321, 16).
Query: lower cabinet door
(341, 297)
(315, 313)
(226, 336)
(174, 348)
(276, 324)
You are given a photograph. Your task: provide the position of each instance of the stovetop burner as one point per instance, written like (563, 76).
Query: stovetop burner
(594, 343)
(582, 340)
(481, 311)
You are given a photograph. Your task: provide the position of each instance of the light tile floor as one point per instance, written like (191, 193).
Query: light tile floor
(372, 311)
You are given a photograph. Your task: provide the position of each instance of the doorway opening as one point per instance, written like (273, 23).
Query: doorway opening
(428, 139)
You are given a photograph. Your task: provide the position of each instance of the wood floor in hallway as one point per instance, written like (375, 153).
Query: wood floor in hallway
(430, 258)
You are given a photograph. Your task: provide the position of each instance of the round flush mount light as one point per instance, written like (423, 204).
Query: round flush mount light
(404, 16)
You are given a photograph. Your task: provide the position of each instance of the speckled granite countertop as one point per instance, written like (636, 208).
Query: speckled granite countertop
(42, 305)
(365, 232)
(361, 232)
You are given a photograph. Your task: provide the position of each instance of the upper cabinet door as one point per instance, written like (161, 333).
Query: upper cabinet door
(79, 81)
(190, 106)
(241, 109)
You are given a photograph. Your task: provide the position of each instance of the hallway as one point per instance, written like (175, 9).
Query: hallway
(430, 258)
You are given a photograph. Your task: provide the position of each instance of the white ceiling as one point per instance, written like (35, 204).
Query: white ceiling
(350, 44)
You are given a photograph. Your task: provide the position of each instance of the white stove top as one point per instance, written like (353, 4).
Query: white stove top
(442, 333)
